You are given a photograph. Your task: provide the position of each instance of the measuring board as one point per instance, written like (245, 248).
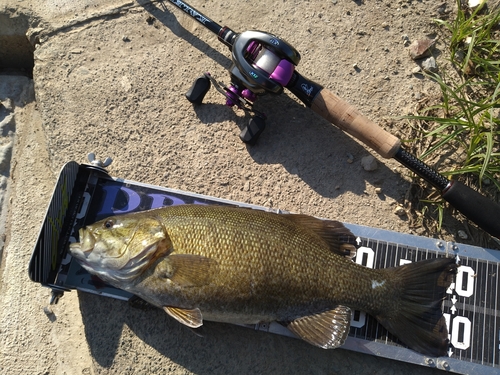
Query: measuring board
(86, 193)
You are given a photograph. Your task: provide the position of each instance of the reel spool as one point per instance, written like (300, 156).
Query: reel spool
(262, 63)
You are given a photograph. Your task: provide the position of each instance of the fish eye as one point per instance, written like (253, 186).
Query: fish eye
(108, 224)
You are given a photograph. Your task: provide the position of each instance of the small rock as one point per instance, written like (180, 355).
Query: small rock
(441, 9)
(429, 65)
(378, 190)
(337, 187)
(369, 163)
(125, 38)
(475, 3)
(421, 48)
(246, 187)
(400, 211)
(350, 158)
(459, 55)
(416, 70)
(462, 235)
(406, 40)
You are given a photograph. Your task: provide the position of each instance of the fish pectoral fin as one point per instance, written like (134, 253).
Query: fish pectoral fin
(339, 239)
(189, 317)
(187, 270)
(328, 329)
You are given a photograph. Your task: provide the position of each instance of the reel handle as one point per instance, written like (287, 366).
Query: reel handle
(250, 134)
(198, 90)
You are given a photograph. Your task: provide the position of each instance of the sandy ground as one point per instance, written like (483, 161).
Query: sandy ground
(110, 78)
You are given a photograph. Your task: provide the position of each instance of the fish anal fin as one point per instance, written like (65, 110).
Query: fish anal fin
(327, 330)
(340, 239)
(189, 317)
(187, 270)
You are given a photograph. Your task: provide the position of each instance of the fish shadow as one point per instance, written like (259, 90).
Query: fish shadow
(120, 336)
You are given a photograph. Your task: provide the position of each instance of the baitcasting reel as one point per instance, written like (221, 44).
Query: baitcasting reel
(262, 63)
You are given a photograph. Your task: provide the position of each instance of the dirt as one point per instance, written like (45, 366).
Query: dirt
(111, 79)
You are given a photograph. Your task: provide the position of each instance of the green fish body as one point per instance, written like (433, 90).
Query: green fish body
(246, 266)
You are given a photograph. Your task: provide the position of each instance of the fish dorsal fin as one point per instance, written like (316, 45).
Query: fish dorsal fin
(186, 269)
(328, 329)
(189, 317)
(340, 239)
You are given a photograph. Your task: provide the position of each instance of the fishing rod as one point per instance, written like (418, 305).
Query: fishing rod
(264, 63)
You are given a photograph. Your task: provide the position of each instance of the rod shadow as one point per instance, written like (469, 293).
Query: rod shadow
(161, 12)
(308, 146)
(304, 143)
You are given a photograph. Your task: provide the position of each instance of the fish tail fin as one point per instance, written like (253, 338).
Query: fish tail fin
(415, 315)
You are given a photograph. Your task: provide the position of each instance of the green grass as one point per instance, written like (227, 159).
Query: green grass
(465, 123)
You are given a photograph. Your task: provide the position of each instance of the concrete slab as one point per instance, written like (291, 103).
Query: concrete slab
(110, 77)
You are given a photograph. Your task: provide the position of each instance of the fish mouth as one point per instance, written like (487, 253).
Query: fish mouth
(82, 249)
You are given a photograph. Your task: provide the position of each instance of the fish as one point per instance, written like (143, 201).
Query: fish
(247, 266)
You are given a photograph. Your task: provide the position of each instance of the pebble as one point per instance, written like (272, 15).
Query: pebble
(462, 235)
(429, 65)
(416, 70)
(378, 190)
(421, 48)
(475, 3)
(460, 55)
(350, 158)
(369, 163)
(406, 40)
(400, 211)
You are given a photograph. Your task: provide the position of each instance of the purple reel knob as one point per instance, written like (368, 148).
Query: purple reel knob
(248, 94)
(232, 94)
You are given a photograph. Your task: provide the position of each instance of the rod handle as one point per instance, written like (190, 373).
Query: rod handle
(346, 117)
(475, 206)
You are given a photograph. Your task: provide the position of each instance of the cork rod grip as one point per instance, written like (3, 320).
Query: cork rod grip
(347, 118)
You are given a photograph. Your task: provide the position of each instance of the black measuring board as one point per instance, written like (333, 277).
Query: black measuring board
(85, 194)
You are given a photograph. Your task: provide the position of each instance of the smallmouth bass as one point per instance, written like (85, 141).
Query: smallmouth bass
(245, 266)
